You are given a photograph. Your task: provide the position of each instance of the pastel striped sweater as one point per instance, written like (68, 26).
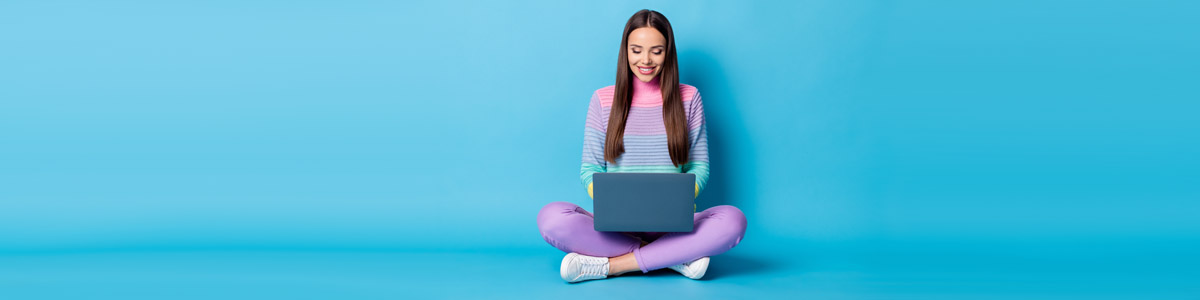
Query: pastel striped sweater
(645, 135)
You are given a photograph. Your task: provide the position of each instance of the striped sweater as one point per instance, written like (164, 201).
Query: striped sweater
(645, 135)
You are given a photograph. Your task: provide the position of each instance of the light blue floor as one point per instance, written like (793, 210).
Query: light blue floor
(843, 271)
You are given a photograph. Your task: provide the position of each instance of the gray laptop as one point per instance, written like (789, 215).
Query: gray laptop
(643, 202)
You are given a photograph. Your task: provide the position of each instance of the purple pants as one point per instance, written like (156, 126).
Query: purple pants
(569, 228)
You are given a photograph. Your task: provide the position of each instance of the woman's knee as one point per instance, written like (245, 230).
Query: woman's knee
(554, 217)
(728, 214)
(731, 223)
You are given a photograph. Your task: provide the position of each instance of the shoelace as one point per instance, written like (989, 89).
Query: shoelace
(594, 266)
(686, 268)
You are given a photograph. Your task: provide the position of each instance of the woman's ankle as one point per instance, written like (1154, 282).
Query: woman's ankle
(622, 264)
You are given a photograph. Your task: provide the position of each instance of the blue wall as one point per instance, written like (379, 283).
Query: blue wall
(447, 124)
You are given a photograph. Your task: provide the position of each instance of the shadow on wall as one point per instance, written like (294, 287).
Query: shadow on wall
(701, 70)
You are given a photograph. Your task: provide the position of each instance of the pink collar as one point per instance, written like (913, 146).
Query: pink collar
(647, 93)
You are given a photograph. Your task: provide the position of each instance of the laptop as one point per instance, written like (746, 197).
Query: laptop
(643, 202)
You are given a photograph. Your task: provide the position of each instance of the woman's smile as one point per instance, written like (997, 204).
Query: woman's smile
(646, 70)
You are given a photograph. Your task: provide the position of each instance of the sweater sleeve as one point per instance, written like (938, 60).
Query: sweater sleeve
(594, 131)
(698, 137)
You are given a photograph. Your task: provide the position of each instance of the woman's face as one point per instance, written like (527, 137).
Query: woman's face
(647, 50)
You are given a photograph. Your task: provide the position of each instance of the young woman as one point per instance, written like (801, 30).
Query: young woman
(647, 122)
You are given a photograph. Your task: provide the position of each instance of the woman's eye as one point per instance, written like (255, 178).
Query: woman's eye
(657, 52)
(636, 52)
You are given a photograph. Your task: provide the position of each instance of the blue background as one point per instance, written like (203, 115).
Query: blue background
(859, 137)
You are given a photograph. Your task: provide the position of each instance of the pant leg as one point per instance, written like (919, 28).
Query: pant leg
(570, 228)
(717, 230)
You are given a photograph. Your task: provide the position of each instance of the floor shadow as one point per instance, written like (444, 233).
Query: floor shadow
(722, 266)
(733, 265)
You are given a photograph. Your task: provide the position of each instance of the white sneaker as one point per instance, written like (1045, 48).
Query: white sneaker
(694, 269)
(578, 267)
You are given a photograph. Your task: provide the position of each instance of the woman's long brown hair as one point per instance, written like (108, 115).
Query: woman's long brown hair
(673, 117)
